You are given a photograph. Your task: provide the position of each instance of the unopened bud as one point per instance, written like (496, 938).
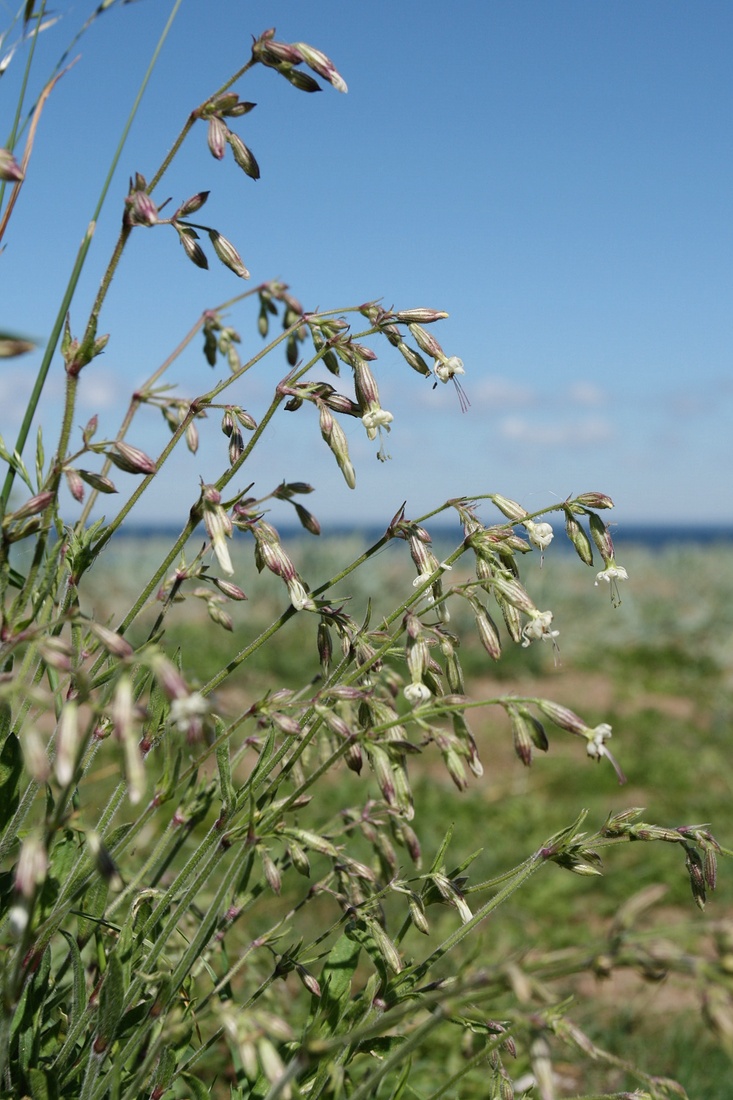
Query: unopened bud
(113, 642)
(30, 871)
(426, 342)
(300, 80)
(191, 246)
(243, 156)
(10, 170)
(509, 508)
(601, 537)
(322, 65)
(190, 206)
(419, 316)
(563, 717)
(245, 419)
(414, 359)
(334, 436)
(578, 538)
(228, 254)
(217, 137)
(131, 459)
(32, 507)
(594, 500)
(67, 742)
(141, 210)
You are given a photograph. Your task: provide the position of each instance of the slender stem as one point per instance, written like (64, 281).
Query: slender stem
(192, 118)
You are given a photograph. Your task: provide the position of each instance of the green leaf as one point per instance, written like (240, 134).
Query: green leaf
(228, 795)
(91, 908)
(198, 1090)
(335, 981)
(11, 767)
(39, 1085)
(111, 1001)
(78, 988)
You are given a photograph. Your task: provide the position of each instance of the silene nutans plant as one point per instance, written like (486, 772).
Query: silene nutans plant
(210, 892)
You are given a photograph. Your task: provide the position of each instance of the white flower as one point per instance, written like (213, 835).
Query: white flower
(416, 694)
(188, 709)
(596, 747)
(448, 368)
(597, 738)
(540, 534)
(376, 418)
(538, 629)
(611, 573)
(299, 598)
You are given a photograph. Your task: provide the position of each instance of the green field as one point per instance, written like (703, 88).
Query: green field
(659, 669)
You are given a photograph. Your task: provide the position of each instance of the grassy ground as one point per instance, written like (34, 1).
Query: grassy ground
(659, 668)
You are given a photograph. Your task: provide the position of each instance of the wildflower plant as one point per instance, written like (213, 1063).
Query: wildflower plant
(200, 924)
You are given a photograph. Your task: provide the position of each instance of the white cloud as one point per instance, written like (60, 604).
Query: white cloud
(587, 393)
(497, 393)
(554, 433)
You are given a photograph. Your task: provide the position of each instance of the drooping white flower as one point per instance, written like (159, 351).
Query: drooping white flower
(448, 368)
(374, 419)
(539, 534)
(538, 628)
(416, 694)
(596, 747)
(612, 574)
(299, 598)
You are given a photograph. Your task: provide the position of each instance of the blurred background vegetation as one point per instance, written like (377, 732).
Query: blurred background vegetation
(659, 669)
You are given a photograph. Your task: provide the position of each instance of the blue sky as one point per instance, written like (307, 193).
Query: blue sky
(557, 176)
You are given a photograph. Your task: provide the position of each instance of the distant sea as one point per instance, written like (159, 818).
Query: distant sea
(651, 536)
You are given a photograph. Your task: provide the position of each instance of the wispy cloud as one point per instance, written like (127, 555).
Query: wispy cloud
(556, 433)
(587, 394)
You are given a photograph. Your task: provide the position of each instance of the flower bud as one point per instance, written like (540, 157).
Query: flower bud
(67, 743)
(236, 446)
(35, 756)
(509, 508)
(513, 593)
(563, 717)
(601, 537)
(414, 359)
(426, 342)
(228, 254)
(113, 642)
(334, 436)
(487, 630)
(322, 65)
(32, 507)
(578, 538)
(141, 210)
(191, 247)
(217, 137)
(190, 206)
(232, 591)
(594, 500)
(10, 170)
(419, 316)
(245, 419)
(243, 156)
(131, 459)
(301, 80)
(32, 865)
(101, 484)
